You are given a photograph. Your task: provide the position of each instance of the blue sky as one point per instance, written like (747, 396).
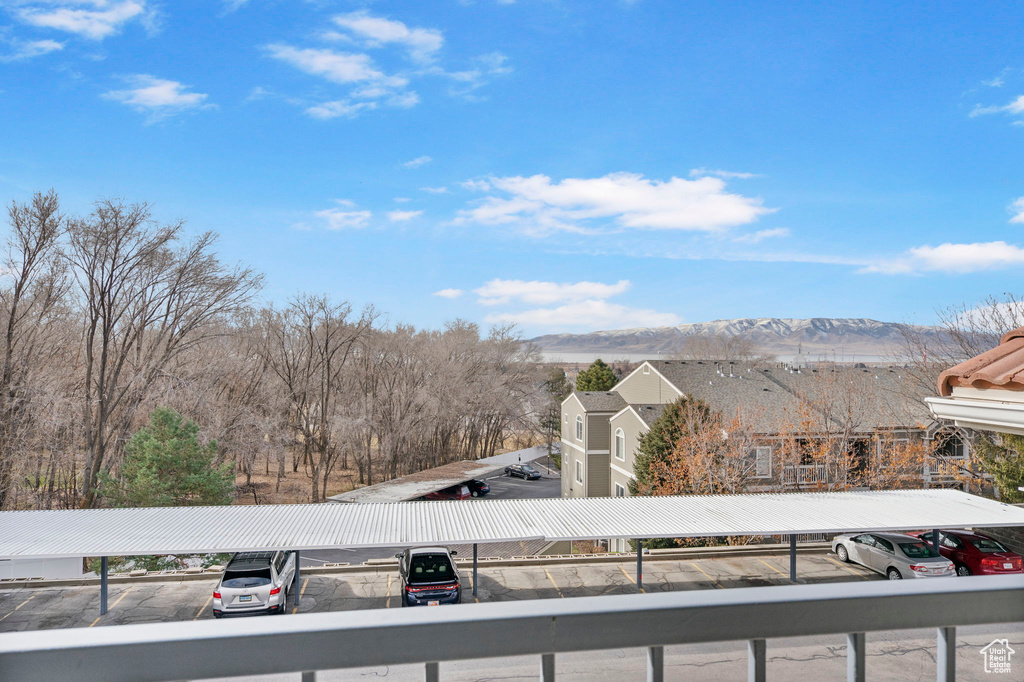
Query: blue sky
(564, 165)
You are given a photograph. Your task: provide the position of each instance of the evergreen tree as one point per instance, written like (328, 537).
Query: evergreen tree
(1002, 456)
(597, 377)
(165, 465)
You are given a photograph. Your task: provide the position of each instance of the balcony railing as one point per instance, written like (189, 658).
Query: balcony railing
(433, 636)
(803, 474)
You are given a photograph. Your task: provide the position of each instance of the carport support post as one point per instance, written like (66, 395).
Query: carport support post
(640, 564)
(103, 586)
(295, 580)
(792, 558)
(475, 578)
(935, 541)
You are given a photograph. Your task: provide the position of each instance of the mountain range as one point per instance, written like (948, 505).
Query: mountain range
(817, 337)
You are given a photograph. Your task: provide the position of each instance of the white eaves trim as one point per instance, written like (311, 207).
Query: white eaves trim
(981, 415)
(622, 471)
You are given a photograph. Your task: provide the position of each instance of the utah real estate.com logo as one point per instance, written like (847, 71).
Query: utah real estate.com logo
(997, 656)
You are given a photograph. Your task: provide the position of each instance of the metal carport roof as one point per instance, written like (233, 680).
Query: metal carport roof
(169, 530)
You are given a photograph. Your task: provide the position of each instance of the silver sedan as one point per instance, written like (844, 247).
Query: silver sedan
(894, 555)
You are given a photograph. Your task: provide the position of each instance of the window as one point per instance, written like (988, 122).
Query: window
(762, 458)
(620, 445)
(647, 369)
(885, 545)
(579, 427)
(619, 491)
(565, 417)
(579, 471)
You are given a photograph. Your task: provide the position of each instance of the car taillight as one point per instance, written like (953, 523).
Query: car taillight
(992, 563)
(919, 568)
(275, 590)
(216, 595)
(431, 588)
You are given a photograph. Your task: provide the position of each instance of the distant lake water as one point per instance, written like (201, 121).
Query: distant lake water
(613, 356)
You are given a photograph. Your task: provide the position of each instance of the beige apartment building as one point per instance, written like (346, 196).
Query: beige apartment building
(876, 405)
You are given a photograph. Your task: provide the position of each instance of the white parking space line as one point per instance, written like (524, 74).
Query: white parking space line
(19, 606)
(203, 607)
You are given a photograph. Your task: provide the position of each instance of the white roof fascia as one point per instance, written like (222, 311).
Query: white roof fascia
(980, 415)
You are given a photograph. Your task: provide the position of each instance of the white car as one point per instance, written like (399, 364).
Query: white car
(894, 555)
(255, 582)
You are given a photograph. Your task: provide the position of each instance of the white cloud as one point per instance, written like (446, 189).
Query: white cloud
(448, 293)
(539, 206)
(421, 43)
(337, 219)
(544, 293)
(1017, 208)
(329, 110)
(591, 314)
(435, 190)
(94, 19)
(417, 162)
(953, 258)
(402, 200)
(338, 67)
(755, 237)
(724, 174)
(1014, 108)
(30, 49)
(403, 216)
(477, 185)
(157, 96)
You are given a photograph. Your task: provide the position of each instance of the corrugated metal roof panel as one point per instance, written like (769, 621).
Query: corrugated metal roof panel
(116, 532)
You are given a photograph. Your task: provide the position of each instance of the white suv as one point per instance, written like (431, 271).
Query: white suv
(255, 582)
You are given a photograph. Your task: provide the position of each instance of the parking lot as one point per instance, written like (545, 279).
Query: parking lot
(153, 602)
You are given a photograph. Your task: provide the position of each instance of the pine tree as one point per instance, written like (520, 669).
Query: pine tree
(1002, 456)
(165, 465)
(598, 377)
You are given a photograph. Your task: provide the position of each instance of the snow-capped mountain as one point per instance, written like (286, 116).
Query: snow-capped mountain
(818, 336)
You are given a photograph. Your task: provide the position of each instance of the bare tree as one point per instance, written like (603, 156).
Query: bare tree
(31, 308)
(144, 303)
(307, 346)
(725, 347)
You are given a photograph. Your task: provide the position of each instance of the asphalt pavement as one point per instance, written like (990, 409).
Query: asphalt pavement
(502, 488)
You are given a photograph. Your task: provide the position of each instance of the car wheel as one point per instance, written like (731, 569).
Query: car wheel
(893, 574)
(843, 555)
(962, 570)
(475, 493)
(218, 615)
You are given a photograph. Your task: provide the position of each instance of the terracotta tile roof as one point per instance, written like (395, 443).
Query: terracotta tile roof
(1002, 367)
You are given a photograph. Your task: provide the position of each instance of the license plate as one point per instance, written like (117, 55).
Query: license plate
(246, 597)
(433, 603)
(1007, 565)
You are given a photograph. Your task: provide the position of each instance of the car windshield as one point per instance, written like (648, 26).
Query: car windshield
(986, 545)
(430, 568)
(529, 469)
(238, 579)
(918, 550)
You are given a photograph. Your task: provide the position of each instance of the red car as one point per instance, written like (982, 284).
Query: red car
(976, 554)
(456, 492)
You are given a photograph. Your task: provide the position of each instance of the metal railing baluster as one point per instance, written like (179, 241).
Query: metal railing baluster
(656, 664)
(756, 660)
(855, 657)
(945, 655)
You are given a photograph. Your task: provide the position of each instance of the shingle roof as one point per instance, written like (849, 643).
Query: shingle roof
(600, 401)
(775, 400)
(649, 413)
(1001, 367)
